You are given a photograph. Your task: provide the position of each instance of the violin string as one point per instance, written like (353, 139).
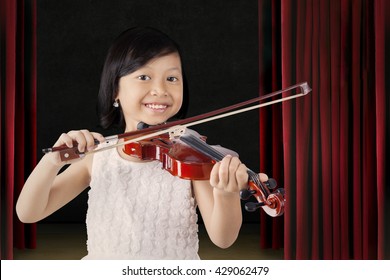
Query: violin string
(256, 179)
(216, 155)
(202, 147)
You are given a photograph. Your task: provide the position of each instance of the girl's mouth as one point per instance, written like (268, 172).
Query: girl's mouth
(156, 107)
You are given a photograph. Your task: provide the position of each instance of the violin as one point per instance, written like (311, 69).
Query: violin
(185, 154)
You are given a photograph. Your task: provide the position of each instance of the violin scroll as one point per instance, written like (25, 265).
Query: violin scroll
(272, 203)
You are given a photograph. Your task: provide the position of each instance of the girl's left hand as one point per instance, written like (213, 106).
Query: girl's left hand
(229, 175)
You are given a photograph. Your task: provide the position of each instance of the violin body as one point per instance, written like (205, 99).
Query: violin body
(177, 158)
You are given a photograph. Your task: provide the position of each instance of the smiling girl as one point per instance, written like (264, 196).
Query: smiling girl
(137, 210)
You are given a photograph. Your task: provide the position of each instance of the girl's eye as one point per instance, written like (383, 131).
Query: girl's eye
(172, 79)
(143, 77)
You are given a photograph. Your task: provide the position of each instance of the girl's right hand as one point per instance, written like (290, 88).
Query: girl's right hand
(85, 142)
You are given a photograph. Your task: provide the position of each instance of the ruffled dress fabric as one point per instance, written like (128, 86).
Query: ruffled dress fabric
(139, 211)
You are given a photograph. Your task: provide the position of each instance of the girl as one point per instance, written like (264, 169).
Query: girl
(136, 210)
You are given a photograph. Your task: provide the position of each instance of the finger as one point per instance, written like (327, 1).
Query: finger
(242, 177)
(263, 177)
(214, 175)
(99, 137)
(79, 137)
(232, 184)
(224, 171)
(89, 138)
(64, 139)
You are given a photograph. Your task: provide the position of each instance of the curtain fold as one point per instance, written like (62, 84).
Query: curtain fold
(271, 140)
(335, 149)
(382, 85)
(18, 117)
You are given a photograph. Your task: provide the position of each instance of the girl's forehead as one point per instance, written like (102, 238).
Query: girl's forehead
(169, 61)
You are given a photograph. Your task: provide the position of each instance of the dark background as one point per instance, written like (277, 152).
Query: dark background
(219, 41)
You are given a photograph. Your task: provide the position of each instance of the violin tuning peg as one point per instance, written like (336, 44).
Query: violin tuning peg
(271, 183)
(281, 191)
(253, 206)
(246, 194)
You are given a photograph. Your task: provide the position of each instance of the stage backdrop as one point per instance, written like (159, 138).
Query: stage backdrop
(219, 40)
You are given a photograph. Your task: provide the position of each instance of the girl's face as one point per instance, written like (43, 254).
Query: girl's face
(153, 93)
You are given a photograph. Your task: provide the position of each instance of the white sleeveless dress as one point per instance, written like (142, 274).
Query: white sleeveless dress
(139, 211)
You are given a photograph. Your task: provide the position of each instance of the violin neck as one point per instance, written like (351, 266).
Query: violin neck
(204, 148)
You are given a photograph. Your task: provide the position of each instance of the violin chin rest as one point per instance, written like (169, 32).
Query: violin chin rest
(142, 125)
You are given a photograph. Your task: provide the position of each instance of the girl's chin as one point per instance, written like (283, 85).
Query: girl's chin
(157, 121)
(152, 122)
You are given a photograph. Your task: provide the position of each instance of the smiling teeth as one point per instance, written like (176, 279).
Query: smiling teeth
(156, 106)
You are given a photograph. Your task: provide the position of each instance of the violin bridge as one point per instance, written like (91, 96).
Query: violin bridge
(176, 132)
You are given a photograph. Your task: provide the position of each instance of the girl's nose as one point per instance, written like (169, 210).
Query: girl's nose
(159, 89)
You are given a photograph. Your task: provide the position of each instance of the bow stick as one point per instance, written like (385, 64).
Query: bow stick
(174, 128)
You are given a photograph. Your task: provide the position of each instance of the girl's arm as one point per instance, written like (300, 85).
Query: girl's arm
(45, 191)
(219, 200)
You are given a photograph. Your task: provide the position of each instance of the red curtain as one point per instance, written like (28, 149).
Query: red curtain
(329, 149)
(17, 117)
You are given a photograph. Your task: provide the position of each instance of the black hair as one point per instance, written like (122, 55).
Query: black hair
(130, 51)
